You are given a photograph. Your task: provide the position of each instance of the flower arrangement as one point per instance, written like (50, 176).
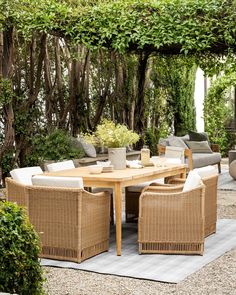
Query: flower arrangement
(111, 135)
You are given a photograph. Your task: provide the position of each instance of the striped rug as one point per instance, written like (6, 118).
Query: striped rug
(164, 268)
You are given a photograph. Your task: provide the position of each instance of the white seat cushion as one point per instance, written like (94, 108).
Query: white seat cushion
(24, 175)
(58, 166)
(57, 181)
(139, 187)
(193, 180)
(206, 171)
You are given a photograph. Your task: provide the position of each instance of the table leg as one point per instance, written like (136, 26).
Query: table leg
(118, 211)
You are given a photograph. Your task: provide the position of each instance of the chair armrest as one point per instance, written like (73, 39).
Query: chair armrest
(16, 192)
(170, 195)
(177, 181)
(163, 188)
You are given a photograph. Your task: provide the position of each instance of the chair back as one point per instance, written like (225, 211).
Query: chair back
(206, 171)
(57, 181)
(24, 175)
(58, 166)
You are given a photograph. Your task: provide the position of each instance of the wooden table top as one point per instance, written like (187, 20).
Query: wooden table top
(117, 175)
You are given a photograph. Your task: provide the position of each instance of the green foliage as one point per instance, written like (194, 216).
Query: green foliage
(6, 91)
(173, 102)
(57, 145)
(152, 136)
(20, 270)
(216, 111)
(111, 135)
(184, 26)
(7, 161)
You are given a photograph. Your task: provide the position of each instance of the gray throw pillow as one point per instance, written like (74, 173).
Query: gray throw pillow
(163, 141)
(198, 136)
(199, 147)
(177, 141)
(88, 148)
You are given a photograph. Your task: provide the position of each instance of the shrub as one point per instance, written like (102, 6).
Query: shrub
(58, 145)
(20, 270)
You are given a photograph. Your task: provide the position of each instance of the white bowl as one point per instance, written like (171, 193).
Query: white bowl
(104, 163)
(95, 169)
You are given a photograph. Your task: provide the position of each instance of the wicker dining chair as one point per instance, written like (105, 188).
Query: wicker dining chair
(73, 224)
(64, 165)
(132, 193)
(171, 221)
(210, 183)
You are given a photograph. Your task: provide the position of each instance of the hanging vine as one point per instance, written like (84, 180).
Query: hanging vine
(216, 110)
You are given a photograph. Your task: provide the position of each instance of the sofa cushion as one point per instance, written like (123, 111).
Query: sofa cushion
(24, 175)
(198, 136)
(201, 160)
(164, 141)
(57, 181)
(199, 146)
(88, 148)
(177, 141)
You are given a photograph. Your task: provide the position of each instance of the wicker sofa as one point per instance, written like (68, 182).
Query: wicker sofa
(193, 159)
(73, 224)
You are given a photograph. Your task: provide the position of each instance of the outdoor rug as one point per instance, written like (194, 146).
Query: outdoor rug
(226, 182)
(164, 268)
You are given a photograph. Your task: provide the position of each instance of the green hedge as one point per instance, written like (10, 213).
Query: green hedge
(20, 270)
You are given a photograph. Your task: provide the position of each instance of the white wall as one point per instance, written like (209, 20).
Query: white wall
(199, 99)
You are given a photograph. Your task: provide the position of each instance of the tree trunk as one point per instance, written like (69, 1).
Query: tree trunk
(6, 61)
(140, 103)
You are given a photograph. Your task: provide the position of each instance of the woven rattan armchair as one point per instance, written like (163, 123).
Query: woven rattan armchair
(73, 224)
(210, 183)
(171, 221)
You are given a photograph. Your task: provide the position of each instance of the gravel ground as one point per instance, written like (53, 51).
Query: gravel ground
(218, 277)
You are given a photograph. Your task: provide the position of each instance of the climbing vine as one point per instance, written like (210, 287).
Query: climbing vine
(166, 26)
(216, 110)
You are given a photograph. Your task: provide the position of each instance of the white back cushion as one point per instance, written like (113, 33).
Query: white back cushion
(206, 171)
(175, 152)
(24, 175)
(193, 180)
(60, 166)
(57, 181)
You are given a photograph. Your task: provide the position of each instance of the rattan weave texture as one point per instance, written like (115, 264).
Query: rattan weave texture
(171, 222)
(73, 224)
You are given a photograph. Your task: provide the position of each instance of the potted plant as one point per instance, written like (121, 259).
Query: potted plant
(115, 137)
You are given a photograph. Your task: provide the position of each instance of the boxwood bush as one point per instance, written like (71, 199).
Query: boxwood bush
(20, 270)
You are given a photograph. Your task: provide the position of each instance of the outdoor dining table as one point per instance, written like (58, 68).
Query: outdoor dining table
(117, 179)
